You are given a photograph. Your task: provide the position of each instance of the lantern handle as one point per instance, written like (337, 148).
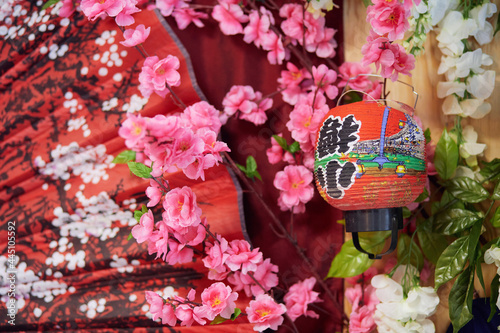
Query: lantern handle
(379, 76)
(392, 247)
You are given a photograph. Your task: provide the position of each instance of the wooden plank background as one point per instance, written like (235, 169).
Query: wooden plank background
(424, 80)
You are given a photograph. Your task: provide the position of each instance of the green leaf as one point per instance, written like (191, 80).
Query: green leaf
(294, 147)
(452, 261)
(467, 190)
(491, 170)
(281, 141)
(496, 192)
(406, 212)
(479, 270)
(497, 26)
(409, 252)
(125, 157)
(350, 262)
(495, 284)
(50, 3)
(454, 220)
(251, 164)
(144, 209)
(446, 156)
(257, 174)
(138, 214)
(424, 195)
(130, 237)
(139, 169)
(432, 244)
(236, 313)
(367, 3)
(217, 320)
(242, 168)
(495, 220)
(474, 234)
(460, 299)
(427, 135)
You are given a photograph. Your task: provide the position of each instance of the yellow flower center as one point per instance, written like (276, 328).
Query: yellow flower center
(296, 185)
(308, 122)
(215, 301)
(263, 312)
(137, 129)
(160, 71)
(181, 204)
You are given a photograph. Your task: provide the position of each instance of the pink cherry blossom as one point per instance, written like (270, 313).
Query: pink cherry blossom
(94, 9)
(178, 253)
(361, 320)
(324, 80)
(197, 169)
(216, 258)
(135, 36)
(185, 15)
(166, 7)
(201, 115)
(230, 17)
(133, 130)
(295, 183)
(293, 25)
(291, 81)
(168, 315)
(187, 146)
(125, 18)
(154, 193)
(218, 299)
(258, 26)
(265, 313)
(389, 18)
(212, 146)
(144, 229)
(155, 304)
(181, 209)
(277, 52)
(266, 275)
(358, 297)
(192, 235)
(188, 315)
(163, 126)
(68, 8)
(239, 98)
(258, 115)
(349, 70)
(324, 44)
(275, 153)
(156, 73)
(242, 257)
(299, 296)
(365, 278)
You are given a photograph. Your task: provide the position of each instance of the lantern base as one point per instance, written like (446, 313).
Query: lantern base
(374, 220)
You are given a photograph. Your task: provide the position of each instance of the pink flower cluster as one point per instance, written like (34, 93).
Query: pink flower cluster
(156, 74)
(389, 21)
(135, 36)
(250, 104)
(303, 28)
(242, 266)
(299, 296)
(218, 299)
(275, 154)
(363, 300)
(121, 10)
(296, 188)
(349, 70)
(187, 141)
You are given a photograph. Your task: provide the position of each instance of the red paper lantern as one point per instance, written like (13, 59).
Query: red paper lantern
(370, 162)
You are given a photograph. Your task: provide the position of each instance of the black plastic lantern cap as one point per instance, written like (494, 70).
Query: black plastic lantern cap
(367, 220)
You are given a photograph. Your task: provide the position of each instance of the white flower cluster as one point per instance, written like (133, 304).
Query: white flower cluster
(95, 218)
(492, 256)
(399, 313)
(90, 163)
(467, 84)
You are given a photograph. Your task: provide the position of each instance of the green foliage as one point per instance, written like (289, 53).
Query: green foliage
(219, 319)
(467, 190)
(50, 3)
(460, 299)
(125, 157)
(251, 168)
(452, 261)
(432, 244)
(454, 220)
(293, 148)
(409, 252)
(446, 156)
(350, 262)
(139, 169)
(495, 285)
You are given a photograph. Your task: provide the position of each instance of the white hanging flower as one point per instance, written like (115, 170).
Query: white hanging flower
(472, 61)
(492, 256)
(472, 107)
(479, 14)
(387, 290)
(453, 29)
(481, 85)
(421, 302)
(470, 148)
(438, 8)
(446, 88)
